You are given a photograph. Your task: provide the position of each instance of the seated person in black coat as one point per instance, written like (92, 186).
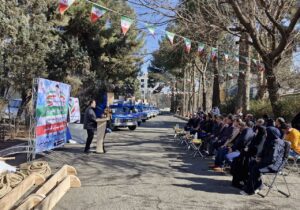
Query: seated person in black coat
(270, 160)
(240, 165)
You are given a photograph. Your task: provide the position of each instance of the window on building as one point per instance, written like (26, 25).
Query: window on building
(142, 80)
(142, 86)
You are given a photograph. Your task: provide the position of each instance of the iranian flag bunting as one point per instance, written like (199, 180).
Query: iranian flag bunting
(226, 57)
(151, 29)
(97, 12)
(64, 5)
(201, 47)
(261, 67)
(125, 24)
(188, 45)
(170, 36)
(237, 59)
(214, 52)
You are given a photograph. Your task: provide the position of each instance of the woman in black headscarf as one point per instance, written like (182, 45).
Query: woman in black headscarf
(269, 160)
(240, 165)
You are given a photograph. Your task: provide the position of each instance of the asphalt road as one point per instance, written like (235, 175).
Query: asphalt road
(145, 169)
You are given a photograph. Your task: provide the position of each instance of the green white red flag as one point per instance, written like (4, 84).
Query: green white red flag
(214, 52)
(226, 57)
(64, 5)
(97, 12)
(261, 67)
(237, 59)
(151, 29)
(170, 36)
(188, 45)
(125, 24)
(201, 47)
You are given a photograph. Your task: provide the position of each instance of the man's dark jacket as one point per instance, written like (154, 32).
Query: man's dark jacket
(89, 122)
(244, 139)
(273, 151)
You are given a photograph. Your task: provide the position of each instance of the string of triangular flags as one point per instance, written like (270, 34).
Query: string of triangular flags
(98, 11)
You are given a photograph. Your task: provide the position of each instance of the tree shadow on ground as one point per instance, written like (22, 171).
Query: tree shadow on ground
(208, 185)
(182, 161)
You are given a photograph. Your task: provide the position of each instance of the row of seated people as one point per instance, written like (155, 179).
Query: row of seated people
(247, 145)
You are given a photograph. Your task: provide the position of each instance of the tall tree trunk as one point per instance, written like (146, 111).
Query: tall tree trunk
(204, 92)
(184, 90)
(262, 87)
(199, 92)
(194, 90)
(216, 86)
(172, 99)
(176, 96)
(246, 101)
(189, 89)
(26, 96)
(273, 88)
(243, 95)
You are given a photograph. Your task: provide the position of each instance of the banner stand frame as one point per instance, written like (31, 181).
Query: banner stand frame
(32, 135)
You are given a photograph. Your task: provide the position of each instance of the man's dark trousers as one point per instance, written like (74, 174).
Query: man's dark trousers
(89, 139)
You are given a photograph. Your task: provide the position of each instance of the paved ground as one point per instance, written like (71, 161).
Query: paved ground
(145, 169)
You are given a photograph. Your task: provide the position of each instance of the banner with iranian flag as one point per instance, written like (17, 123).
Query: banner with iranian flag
(64, 5)
(97, 12)
(51, 114)
(74, 110)
(125, 24)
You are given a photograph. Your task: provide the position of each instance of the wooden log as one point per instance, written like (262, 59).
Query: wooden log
(7, 158)
(34, 199)
(11, 198)
(53, 198)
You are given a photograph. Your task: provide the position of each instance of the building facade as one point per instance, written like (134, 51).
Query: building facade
(144, 90)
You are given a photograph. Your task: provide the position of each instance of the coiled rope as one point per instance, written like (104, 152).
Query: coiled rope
(10, 180)
(40, 167)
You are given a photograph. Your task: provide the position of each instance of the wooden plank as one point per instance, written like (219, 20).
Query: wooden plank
(101, 128)
(53, 198)
(7, 158)
(11, 198)
(56, 178)
(30, 202)
(34, 199)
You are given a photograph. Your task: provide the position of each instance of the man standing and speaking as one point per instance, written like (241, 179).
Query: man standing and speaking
(90, 124)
